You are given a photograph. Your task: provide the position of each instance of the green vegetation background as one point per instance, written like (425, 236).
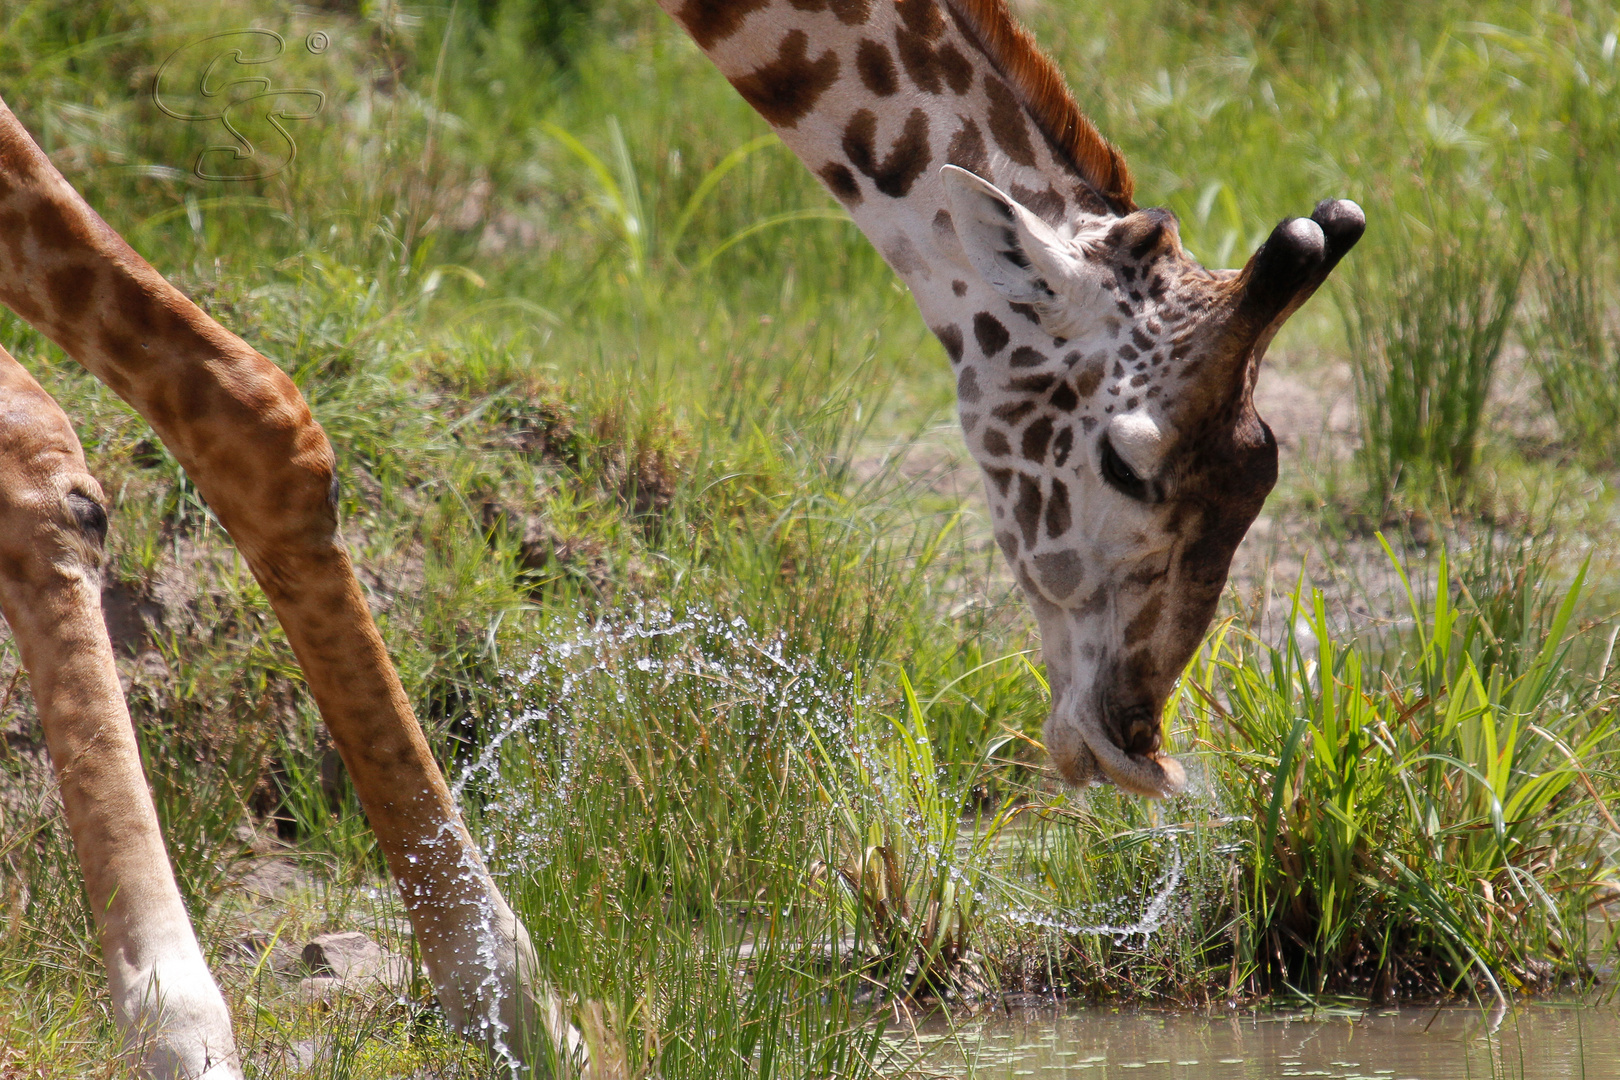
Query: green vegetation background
(592, 346)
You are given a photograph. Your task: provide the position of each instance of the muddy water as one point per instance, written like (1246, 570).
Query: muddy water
(1533, 1042)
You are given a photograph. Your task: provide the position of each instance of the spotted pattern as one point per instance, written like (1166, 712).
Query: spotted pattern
(991, 334)
(1008, 124)
(787, 88)
(713, 21)
(906, 159)
(966, 150)
(876, 68)
(931, 68)
(848, 12)
(841, 182)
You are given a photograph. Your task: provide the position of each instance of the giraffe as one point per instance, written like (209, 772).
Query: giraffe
(245, 436)
(1104, 379)
(1104, 383)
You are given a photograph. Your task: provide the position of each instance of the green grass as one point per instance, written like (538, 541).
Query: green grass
(1422, 811)
(596, 352)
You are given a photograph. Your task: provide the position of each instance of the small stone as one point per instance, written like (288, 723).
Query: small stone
(357, 962)
(346, 955)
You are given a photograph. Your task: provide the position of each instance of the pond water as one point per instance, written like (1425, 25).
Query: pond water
(1541, 1041)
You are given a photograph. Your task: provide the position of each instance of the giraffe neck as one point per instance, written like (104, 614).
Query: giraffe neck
(876, 96)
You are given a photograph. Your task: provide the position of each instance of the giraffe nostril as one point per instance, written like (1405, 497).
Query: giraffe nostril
(1138, 729)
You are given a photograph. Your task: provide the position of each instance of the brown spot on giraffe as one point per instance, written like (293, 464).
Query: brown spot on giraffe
(1001, 478)
(1008, 125)
(70, 289)
(12, 225)
(1025, 356)
(1088, 201)
(1091, 377)
(841, 182)
(932, 68)
(1012, 412)
(787, 88)
(921, 17)
(876, 68)
(995, 442)
(951, 337)
(903, 255)
(1058, 514)
(967, 386)
(1008, 542)
(848, 12)
(907, 157)
(967, 151)
(991, 335)
(959, 288)
(1037, 437)
(713, 21)
(1060, 573)
(1146, 621)
(1064, 398)
(53, 228)
(1062, 447)
(1027, 510)
(1047, 204)
(1031, 384)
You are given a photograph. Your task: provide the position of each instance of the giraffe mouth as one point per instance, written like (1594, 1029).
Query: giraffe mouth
(1085, 752)
(1144, 771)
(1155, 775)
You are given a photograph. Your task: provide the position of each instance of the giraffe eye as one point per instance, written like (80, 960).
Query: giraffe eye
(1121, 477)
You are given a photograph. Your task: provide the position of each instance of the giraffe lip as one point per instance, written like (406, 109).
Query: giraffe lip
(1153, 775)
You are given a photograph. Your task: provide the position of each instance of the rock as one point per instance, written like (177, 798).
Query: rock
(356, 962)
(343, 955)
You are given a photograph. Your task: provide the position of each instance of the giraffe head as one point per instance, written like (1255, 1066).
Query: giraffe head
(1109, 403)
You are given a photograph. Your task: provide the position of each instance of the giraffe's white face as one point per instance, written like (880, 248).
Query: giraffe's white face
(1106, 393)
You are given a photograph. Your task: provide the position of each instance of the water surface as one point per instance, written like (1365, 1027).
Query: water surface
(1542, 1041)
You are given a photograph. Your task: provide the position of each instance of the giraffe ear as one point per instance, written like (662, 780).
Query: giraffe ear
(1015, 252)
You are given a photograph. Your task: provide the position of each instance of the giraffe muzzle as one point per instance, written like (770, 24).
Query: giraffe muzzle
(1143, 771)
(1115, 745)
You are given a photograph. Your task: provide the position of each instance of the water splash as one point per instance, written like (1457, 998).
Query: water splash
(764, 687)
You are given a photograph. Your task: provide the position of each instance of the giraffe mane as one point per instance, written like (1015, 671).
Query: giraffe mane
(1044, 93)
